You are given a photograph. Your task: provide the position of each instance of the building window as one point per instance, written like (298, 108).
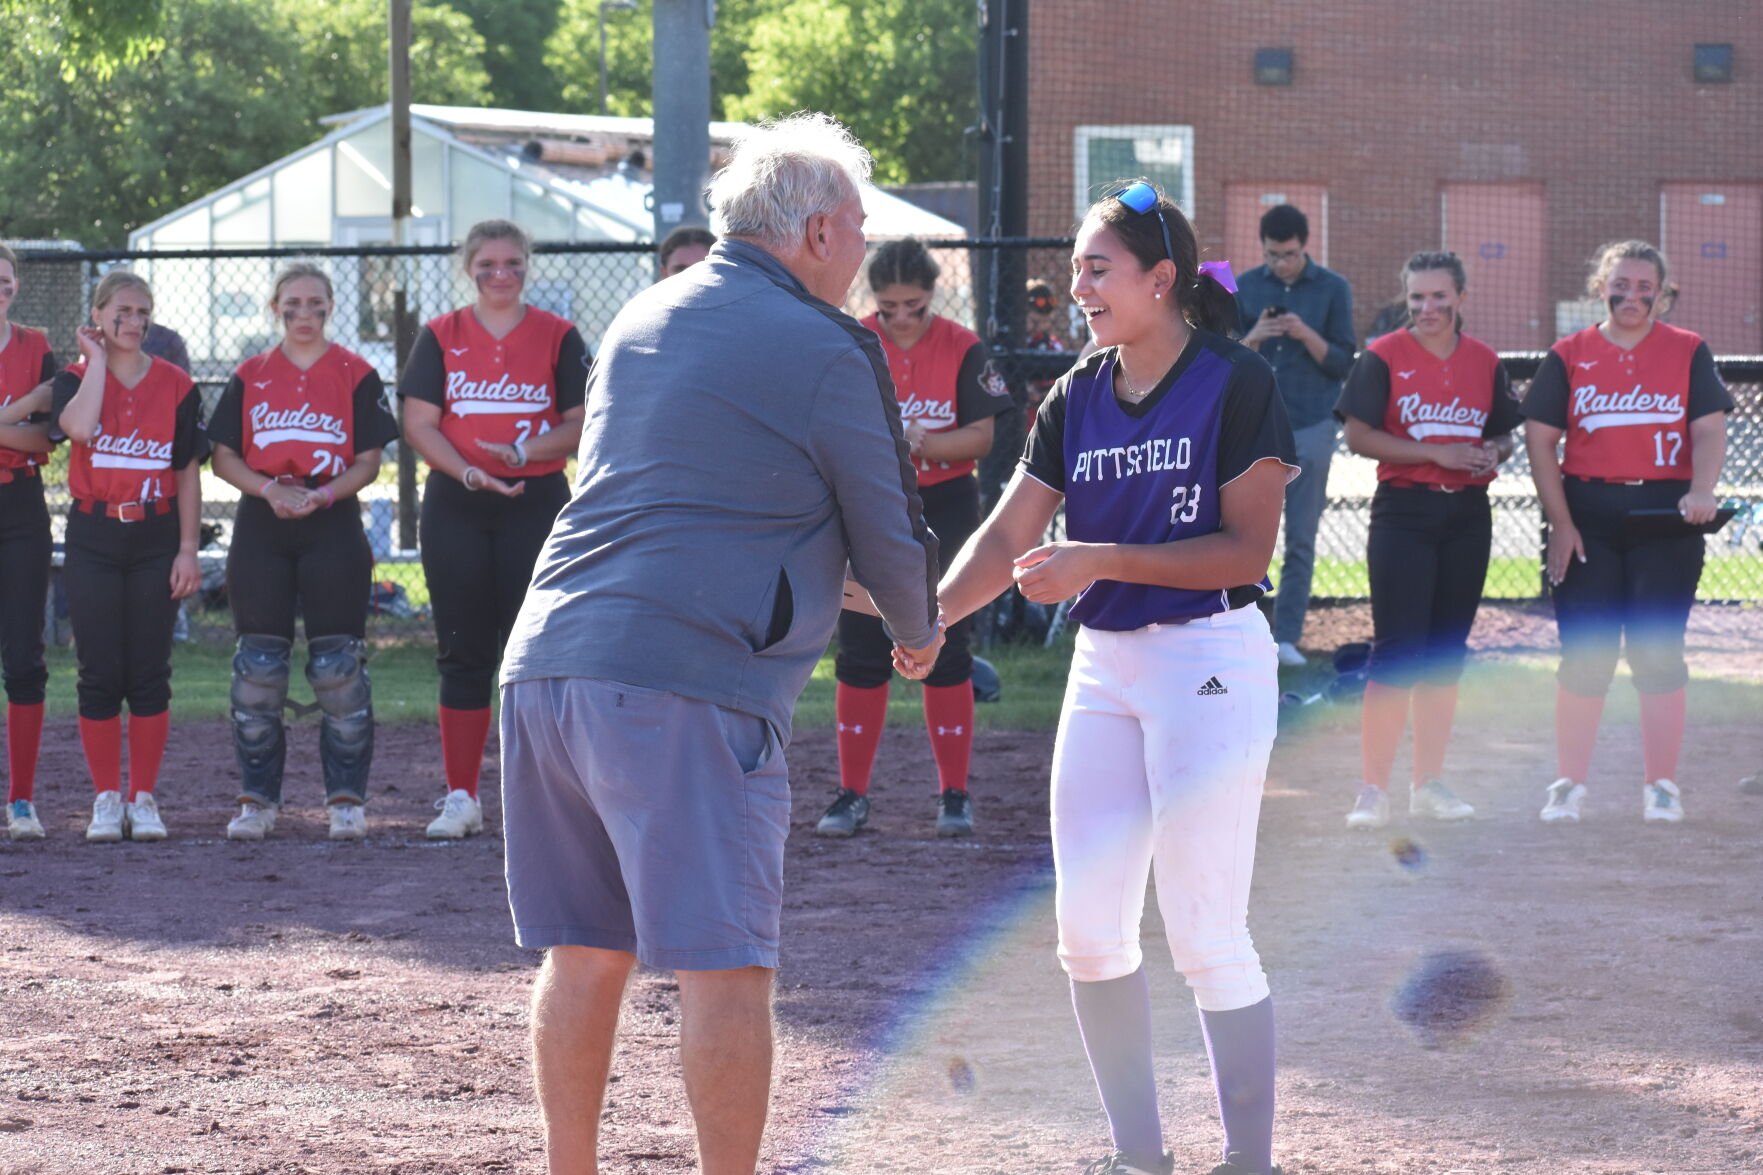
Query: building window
(1713, 63)
(1273, 67)
(1162, 154)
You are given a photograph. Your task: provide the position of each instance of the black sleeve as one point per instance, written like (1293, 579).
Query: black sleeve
(375, 427)
(1504, 416)
(49, 367)
(425, 372)
(226, 424)
(981, 392)
(1043, 454)
(573, 362)
(189, 443)
(1366, 394)
(1546, 400)
(1254, 425)
(61, 394)
(1708, 392)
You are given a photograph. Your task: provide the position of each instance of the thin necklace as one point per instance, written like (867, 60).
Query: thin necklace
(1132, 393)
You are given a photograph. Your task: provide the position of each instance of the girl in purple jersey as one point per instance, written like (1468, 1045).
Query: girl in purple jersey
(1170, 453)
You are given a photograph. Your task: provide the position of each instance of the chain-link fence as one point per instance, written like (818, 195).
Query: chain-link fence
(214, 301)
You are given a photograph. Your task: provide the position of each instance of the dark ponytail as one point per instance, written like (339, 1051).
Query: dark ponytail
(1201, 299)
(905, 262)
(1212, 307)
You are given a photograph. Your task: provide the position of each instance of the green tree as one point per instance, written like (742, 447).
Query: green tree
(343, 44)
(97, 35)
(88, 159)
(902, 74)
(515, 33)
(573, 55)
(233, 85)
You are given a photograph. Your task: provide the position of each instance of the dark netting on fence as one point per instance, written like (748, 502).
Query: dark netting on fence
(215, 302)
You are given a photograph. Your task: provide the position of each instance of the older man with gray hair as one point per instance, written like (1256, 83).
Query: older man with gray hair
(742, 445)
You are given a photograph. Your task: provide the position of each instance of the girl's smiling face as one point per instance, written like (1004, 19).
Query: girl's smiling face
(1117, 296)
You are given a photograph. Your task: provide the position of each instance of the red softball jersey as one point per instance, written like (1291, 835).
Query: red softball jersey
(299, 424)
(500, 390)
(1441, 402)
(26, 361)
(944, 381)
(1628, 410)
(142, 433)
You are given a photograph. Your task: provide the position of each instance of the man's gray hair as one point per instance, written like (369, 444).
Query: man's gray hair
(782, 172)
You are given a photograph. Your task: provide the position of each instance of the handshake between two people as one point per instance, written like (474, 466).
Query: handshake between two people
(1045, 575)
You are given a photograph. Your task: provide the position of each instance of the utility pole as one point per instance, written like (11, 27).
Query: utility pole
(1003, 167)
(682, 111)
(403, 326)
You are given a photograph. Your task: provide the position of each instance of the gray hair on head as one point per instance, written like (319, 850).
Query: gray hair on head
(782, 172)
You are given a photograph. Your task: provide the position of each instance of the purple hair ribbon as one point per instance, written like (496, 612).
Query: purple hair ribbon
(1219, 271)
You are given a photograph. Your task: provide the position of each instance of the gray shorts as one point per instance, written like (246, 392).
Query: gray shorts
(639, 820)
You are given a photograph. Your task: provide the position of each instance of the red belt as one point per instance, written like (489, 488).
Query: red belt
(126, 511)
(1402, 483)
(17, 473)
(1619, 481)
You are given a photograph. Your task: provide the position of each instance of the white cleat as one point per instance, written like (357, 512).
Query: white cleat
(348, 821)
(22, 822)
(253, 822)
(1435, 801)
(106, 825)
(461, 816)
(1564, 800)
(1290, 657)
(142, 818)
(1661, 803)
(1371, 809)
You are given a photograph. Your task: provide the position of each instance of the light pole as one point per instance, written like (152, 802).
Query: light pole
(620, 6)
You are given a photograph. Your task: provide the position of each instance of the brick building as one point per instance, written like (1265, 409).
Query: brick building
(1521, 133)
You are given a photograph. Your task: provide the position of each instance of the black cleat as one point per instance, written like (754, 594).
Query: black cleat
(1228, 1168)
(954, 814)
(1115, 1163)
(848, 813)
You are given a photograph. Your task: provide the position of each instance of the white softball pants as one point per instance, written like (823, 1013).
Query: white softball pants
(1160, 760)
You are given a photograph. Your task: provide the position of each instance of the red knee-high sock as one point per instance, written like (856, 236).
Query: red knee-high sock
(948, 718)
(463, 735)
(861, 714)
(24, 734)
(1662, 718)
(146, 751)
(102, 740)
(1435, 708)
(1576, 732)
(1382, 716)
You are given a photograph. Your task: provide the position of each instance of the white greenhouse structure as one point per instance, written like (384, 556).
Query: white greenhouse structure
(562, 177)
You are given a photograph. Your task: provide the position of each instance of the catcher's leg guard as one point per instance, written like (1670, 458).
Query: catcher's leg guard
(337, 669)
(260, 686)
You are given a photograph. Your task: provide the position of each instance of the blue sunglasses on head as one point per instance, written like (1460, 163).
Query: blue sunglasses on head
(1141, 197)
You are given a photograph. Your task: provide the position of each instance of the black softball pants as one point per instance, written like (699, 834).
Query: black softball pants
(118, 577)
(319, 565)
(865, 655)
(478, 552)
(1427, 555)
(24, 588)
(1641, 589)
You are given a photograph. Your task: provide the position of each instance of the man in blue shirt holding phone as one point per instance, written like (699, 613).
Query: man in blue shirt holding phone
(1299, 316)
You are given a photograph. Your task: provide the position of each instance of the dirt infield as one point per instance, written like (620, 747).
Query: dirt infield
(200, 1006)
